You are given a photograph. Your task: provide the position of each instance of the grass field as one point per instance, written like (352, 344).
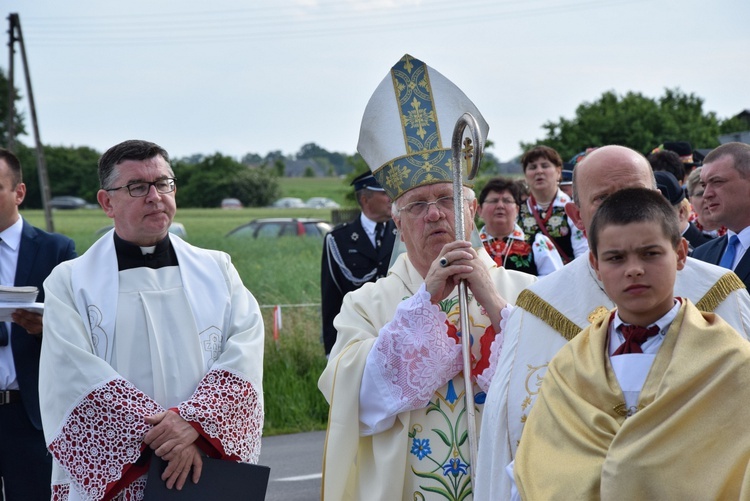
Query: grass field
(306, 187)
(283, 271)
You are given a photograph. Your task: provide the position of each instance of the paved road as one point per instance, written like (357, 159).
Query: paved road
(295, 462)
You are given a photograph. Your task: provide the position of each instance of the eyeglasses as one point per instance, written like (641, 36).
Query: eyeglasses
(141, 188)
(416, 209)
(495, 201)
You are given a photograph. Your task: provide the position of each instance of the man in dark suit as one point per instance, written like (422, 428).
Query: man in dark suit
(356, 252)
(726, 178)
(27, 256)
(672, 191)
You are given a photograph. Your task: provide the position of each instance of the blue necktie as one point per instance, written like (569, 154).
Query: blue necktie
(731, 251)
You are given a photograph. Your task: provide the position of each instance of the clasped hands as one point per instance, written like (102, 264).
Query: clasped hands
(461, 262)
(173, 439)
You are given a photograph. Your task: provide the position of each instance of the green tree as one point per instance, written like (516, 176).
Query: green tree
(71, 171)
(18, 126)
(279, 167)
(633, 120)
(734, 124)
(218, 176)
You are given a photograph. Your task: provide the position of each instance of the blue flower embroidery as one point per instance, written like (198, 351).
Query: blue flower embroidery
(454, 467)
(420, 448)
(450, 395)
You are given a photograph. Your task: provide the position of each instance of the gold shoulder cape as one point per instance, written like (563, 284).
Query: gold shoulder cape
(688, 440)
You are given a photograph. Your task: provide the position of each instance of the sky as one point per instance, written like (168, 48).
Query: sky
(237, 77)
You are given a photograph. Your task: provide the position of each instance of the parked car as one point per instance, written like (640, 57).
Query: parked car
(321, 203)
(66, 202)
(175, 228)
(288, 202)
(231, 203)
(282, 226)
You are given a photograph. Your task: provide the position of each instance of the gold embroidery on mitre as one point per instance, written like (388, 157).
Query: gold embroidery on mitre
(548, 314)
(598, 313)
(727, 284)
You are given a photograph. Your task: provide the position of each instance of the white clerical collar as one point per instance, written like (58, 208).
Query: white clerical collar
(11, 235)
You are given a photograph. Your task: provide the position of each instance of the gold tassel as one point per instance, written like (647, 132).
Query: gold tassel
(727, 284)
(547, 313)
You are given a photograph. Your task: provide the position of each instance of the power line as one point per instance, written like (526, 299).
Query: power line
(185, 28)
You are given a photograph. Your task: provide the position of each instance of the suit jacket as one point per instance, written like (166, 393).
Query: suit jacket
(712, 251)
(38, 253)
(695, 237)
(349, 261)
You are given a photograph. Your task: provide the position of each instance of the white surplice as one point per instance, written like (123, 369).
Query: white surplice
(119, 346)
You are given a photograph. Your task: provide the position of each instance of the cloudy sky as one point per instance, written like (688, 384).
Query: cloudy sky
(249, 76)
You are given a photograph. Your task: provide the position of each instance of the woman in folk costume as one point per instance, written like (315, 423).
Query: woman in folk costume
(504, 240)
(544, 210)
(397, 424)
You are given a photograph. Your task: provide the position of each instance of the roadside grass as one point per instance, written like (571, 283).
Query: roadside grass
(282, 271)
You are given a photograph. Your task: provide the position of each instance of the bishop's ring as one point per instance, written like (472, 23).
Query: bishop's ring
(443, 262)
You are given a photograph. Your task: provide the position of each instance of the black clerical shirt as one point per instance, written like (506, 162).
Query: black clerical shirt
(130, 256)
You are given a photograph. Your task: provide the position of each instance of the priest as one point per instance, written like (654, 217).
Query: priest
(397, 422)
(151, 346)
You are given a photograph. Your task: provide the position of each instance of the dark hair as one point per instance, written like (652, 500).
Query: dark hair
(13, 164)
(499, 185)
(541, 151)
(635, 205)
(740, 153)
(132, 149)
(668, 161)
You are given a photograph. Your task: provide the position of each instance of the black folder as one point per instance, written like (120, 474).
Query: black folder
(224, 480)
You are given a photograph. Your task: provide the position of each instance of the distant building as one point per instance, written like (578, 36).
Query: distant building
(740, 136)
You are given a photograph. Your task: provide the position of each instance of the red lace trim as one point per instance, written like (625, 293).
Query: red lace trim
(230, 415)
(96, 447)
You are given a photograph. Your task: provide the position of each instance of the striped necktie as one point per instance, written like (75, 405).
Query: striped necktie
(379, 230)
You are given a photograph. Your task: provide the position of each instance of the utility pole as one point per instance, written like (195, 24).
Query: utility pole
(17, 36)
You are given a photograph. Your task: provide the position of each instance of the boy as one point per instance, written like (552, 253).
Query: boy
(629, 415)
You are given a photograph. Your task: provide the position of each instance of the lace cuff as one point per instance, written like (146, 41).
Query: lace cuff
(102, 436)
(229, 413)
(414, 354)
(496, 348)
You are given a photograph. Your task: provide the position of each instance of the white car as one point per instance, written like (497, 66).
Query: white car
(321, 203)
(288, 203)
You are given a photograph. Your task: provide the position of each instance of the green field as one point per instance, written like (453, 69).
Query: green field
(283, 271)
(306, 187)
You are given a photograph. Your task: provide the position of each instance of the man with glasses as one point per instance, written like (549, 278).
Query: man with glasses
(152, 346)
(394, 377)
